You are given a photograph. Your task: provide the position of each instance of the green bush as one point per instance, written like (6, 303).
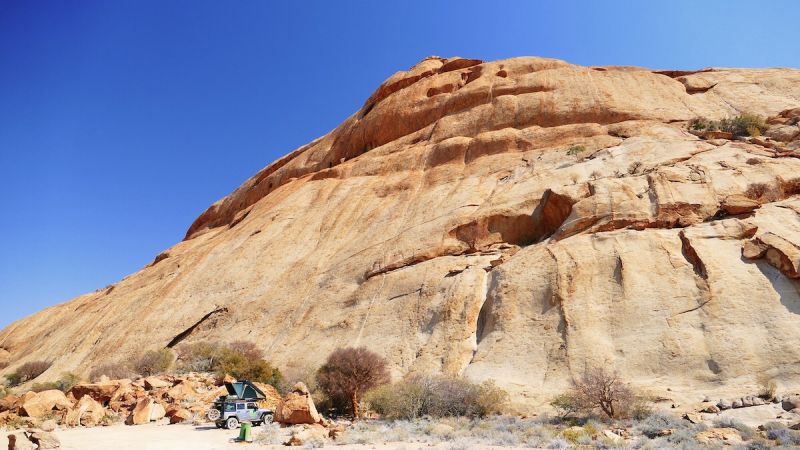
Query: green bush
(27, 372)
(575, 150)
(745, 124)
(437, 396)
(240, 359)
(153, 362)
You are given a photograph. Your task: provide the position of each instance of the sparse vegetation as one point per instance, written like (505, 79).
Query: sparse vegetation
(114, 371)
(437, 396)
(27, 372)
(575, 150)
(350, 372)
(767, 387)
(601, 390)
(241, 359)
(745, 124)
(64, 383)
(153, 362)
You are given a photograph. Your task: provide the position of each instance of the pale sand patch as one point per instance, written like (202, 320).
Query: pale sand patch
(189, 437)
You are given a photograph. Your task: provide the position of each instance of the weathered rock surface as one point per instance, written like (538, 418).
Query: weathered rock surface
(516, 220)
(297, 408)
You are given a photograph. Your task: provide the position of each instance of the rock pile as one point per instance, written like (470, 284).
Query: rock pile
(177, 399)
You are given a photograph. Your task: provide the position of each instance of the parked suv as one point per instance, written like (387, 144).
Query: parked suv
(240, 405)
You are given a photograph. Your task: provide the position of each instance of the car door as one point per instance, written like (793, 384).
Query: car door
(252, 411)
(241, 412)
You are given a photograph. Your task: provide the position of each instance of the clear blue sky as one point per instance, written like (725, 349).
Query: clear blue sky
(121, 121)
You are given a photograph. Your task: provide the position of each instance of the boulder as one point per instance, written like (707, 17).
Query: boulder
(20, 441)
(297, 407)
(790, 402)
(157, 412)
(273, 397)
(783, 133)
(712, 409)
(181, 391)
(739, 204)
(181, 415)
(737, 403)
(728, 435)
(693, 417)
(44, 402)
(88, 412)
(151, 383)
(45, 440)
(308, 434)
(101, 392)
(8, 403)
(141, 412)
(49, 425)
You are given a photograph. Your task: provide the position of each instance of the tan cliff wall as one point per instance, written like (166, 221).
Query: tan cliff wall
(445, 226)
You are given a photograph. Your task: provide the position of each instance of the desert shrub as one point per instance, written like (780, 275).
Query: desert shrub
(784, 436)
(729, 422)
(241, 359)
(153, 362)
(198, 356)
(600, 390)
(248, 349)
(114, 371)
(270, 435)
(767, 387)
(745, 124)
(350, 372)
(3, 364)
(656, 423)
(243, 368)
(27, 372)
(575, 150)
(437, 396)
(64, 383)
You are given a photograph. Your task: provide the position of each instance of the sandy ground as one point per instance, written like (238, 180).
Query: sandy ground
(188, 437)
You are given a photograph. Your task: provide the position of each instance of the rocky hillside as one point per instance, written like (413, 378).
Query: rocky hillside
(517, 220)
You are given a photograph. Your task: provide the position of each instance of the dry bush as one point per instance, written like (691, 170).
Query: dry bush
(153, 362)
(767, 387)
(756, 191)
(3, 364)
(64, 384)
(350, 372)
(198, 356)
(601, 390)
(114, 371)
(248, 349)
(27, 372)
(437, 396)
(744, 124)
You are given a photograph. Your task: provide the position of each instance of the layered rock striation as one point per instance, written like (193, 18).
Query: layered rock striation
(519, 220)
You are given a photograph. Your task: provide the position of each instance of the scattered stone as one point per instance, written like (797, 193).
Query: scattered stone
(307, 434)
(151, 383)
(157, 412)
(39, 404)
(711, 409)
(181, 415)
(693, 417)
(736, 404)
(791, 402)
(739, 204)
(783, 133)
(45, 440)
(723, 405)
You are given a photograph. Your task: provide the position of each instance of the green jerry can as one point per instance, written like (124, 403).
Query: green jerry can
(246, 432)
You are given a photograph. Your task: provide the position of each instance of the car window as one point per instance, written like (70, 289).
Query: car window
(240, 406)
(229, 407)
(251, 406)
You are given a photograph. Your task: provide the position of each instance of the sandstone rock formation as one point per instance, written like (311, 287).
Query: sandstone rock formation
(517, 220)
(297, 407)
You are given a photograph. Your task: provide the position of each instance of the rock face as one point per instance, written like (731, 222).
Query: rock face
(517, 220)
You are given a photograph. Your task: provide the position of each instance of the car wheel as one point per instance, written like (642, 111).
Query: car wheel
(266, 419)
(213, 414)
(232, 423)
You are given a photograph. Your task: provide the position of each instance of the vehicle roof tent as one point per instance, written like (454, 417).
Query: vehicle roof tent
(244, 390)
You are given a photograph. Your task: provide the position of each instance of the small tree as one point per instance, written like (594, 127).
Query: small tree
(351, 371)
(600, 389)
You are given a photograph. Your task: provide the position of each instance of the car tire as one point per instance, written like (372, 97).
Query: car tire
(232, 423)
(266, 419)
